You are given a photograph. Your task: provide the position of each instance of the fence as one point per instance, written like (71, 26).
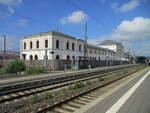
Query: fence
(67, 64)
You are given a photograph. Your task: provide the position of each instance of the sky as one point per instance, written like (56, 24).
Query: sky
(126, 21)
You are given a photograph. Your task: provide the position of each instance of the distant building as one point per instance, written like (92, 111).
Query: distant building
(56, 45)
(114, 46)
(9, 55)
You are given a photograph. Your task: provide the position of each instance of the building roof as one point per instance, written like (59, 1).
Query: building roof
(52, 32)
(96, 47)
(110, 42)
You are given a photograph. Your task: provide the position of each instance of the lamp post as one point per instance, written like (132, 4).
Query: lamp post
(51, 52)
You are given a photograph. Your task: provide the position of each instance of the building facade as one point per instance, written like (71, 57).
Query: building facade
(56, 45)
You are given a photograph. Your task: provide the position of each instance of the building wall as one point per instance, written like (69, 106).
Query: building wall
(40, 52)
(101, 54)
(62, 51)
(96, 53)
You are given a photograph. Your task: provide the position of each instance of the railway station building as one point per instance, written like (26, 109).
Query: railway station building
(54, 45)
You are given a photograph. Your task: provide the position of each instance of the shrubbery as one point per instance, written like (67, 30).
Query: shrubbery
(34, 70)
(2, 71)
(15, 66)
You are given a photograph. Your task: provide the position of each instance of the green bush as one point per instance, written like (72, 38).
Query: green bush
(2, 71)
(37, 98)
(79, 85)
(15, 66)
(48, 95)
(101, 79)
(88, 83)
(34, 70)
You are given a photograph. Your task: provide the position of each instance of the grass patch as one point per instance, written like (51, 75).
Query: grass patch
(34, 70)
(2, 71)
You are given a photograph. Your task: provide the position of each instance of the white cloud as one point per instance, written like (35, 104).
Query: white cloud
(127, 6)
(136, 29)
(76, 17)
(11, 2)
(11, 10)
(133, 32)
(143, 49)
(22, 22)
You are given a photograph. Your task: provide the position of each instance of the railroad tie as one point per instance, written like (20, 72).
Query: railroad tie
(61, 110)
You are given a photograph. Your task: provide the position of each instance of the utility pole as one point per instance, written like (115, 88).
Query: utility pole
(4, 46)
(45, 60)
(85, 40)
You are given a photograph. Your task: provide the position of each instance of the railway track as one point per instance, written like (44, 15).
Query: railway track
(27, 85)
(19, 94)
(80, 100)
(54, 108)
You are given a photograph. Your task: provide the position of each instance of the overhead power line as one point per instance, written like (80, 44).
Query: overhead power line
(92, 17)
(29, 18)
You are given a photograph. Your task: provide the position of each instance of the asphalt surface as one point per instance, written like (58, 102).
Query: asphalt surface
(138, 101)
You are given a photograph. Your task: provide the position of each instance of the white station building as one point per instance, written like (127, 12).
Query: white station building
(56, 45)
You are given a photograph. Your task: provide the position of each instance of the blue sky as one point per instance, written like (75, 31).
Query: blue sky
(126, 21)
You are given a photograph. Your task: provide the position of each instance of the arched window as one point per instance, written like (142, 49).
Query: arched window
(57, 44)
(73, 57)
(35, 57)
(99, 58)
(37, 44)
(80, 47)
(24, 56)
(68, 57)
(46, 43)
(31, 45)
(72, 46)
(67, 45)
(31, 57)
(57, 57)
(24, 45)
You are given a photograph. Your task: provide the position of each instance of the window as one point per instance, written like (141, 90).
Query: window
(99, 52)
(73, 57)
(31, 57)
(24, 45)
(99, 58)
(90, 50)
(46, 43)
(57, 44)
(68, 57)
(80, 47)
(24, 57)
(72, 46)
(95, 52)
(67, 45)
(37, 44)
(36, 57)
(57, 57)
(31, 45)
